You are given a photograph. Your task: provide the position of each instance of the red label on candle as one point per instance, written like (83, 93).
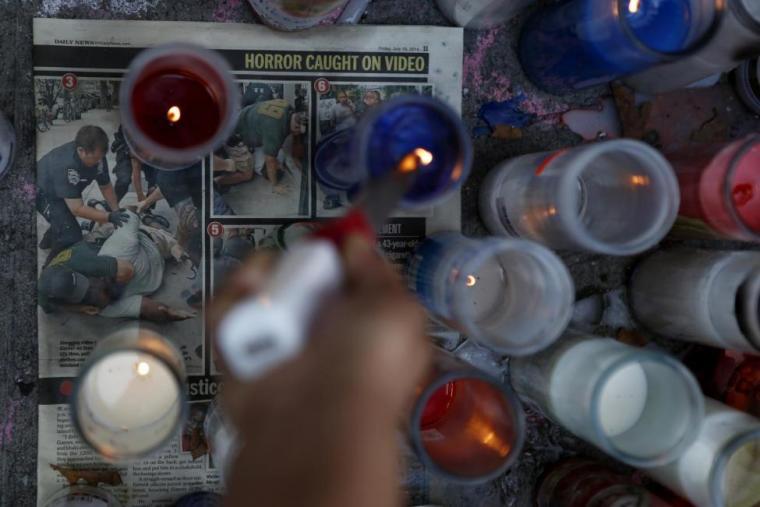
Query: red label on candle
(176, 109)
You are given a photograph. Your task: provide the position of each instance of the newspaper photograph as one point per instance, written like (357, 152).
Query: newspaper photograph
(124, 243)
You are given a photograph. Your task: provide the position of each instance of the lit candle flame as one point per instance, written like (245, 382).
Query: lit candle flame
(425, 156)
(640, 181)
(634, 6)
(174, 114)
(471, 281)
(414, 160)
(142, 368)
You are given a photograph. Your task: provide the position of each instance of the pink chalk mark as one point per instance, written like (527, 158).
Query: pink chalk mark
(6, 426)
(225, 10)
(27, 192)
(474, 62)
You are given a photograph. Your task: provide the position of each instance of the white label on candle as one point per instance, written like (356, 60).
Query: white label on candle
(623, 399)
(130, 390)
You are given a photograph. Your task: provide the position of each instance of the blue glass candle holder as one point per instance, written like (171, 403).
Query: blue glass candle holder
(346, 161)
(582, 43)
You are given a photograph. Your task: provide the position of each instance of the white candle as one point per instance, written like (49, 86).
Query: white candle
(722, 467)
(642, 407)
(623, 398)
(129, 390)
(130, 397)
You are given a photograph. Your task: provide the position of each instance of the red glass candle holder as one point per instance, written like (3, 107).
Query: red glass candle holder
(178, 104)
(578, 482)
(466, 426)
(728, 376)
(720, 190)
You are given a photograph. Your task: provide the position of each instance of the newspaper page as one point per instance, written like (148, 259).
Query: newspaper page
(189, 228)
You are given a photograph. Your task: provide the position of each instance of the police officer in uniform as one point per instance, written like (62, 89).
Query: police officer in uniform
(63, 174)
(264, 127)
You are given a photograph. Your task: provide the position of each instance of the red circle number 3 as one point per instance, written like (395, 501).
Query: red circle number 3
(69, 81)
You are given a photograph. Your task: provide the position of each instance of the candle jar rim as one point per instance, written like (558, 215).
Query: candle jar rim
(363, 136)
(518, 421)
(727, 451)
(750, 289)
(101, 352)
(668, 56)
(639, 356)
(579, 164)
(106, 495)
(490, 247)
(750, 18)
(177, 157)
(745, 146)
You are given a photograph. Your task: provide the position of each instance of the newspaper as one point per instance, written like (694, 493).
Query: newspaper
(207, 217)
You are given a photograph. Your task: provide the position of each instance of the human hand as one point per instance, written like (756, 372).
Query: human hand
(329, 417)
(118, 218)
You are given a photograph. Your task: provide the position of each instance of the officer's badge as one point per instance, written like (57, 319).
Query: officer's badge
(73, 175)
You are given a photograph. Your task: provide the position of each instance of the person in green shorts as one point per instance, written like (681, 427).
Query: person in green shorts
(264, 128)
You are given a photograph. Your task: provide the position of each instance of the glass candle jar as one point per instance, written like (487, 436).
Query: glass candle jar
(736, 38)
(129, 398)
(616, 198)
(386, 135)
(7, 145)
(481, 14)
(178, 104)
(579, 482)
(641, 407)
(296, 14)
(222, 439)
(513, 296)
(722, 467)
(466, 426)
(720, 190)
(82, 496)
(747, 83)
(581, 43)
(709, 297)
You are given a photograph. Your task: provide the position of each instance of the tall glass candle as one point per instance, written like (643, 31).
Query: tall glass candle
(388, 133)
(513, 296)
(579, 482)
(722, 467)
(581, 43)
(703, 296)
(7, 145)
(178, 103)
(466, 426)
(129, 399)
(616, 197)
(81, 495)
(481, 14)
(746, 79)
(222, 439)
(737, 37)
(641, 407)
(296, 14)
(720, 190)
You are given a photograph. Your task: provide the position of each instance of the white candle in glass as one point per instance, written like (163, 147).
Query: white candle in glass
(130, 390)
(722, 467)
(641, 407)
(130, 395)
(487, 289)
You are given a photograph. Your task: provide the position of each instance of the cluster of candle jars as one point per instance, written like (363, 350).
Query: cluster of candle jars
(510, 292)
